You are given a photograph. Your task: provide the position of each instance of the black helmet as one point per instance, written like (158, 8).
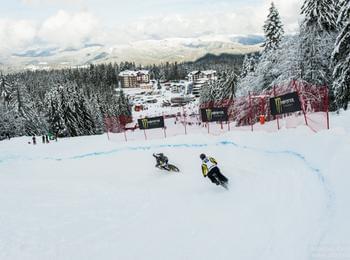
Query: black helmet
(202, 156)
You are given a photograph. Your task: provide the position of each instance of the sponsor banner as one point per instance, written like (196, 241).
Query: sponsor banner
(214, 114)
(288, 103)
(151, 123)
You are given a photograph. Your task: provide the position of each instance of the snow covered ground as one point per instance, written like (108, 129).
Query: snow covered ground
(87, 198)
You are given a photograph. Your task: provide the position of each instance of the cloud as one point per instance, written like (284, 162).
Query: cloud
(16, 34)
(73, 29)
(244, 20)
(62, 30)
(31, 2)
(69, 29)
(194, 25)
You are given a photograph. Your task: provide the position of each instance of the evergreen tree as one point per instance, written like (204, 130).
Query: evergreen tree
(259, 75)
(206, 94)
(288, 61)
(248, 66)
(318, 34)
(245, 67)
(341, 59)
(123, 105)
(97, 114)
(228, 88)
(273, 29)
(320, 14)
(155, 72)
(68, 111)
(54, 111)
(33, 123)
(263, 77)
(11, 120)
(5, 91)
(343, 13)
(84, 114)
(175, 72)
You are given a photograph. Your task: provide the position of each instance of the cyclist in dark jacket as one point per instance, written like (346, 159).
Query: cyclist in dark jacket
(162, 160)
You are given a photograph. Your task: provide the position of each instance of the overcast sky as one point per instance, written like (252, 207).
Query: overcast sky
(71, 23)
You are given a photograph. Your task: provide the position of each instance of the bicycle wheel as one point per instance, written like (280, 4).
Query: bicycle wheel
(173, 168)
(224, 184)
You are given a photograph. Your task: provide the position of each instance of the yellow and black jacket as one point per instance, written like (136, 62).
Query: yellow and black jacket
(208, 164)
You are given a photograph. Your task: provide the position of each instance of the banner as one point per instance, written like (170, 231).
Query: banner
(288, 103)
(151, 123)
(214, 114)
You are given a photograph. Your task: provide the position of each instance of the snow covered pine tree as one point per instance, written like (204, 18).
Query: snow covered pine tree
(341, 59)
(318, 34)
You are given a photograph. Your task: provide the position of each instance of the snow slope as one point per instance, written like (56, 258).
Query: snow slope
(87, 198)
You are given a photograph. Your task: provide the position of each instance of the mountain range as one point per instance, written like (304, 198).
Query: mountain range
(141, 52)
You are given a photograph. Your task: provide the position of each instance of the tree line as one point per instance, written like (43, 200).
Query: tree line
(69, 102)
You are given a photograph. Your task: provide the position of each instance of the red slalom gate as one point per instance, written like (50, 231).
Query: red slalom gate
(114, 125)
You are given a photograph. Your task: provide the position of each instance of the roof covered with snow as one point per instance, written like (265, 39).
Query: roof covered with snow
(130, 73)
(206, 72)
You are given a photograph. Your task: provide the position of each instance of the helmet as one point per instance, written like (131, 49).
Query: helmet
(202, 156)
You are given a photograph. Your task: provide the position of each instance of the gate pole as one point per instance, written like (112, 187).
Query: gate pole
(106, 126)
(302, 102)
(327, 105)
(274, 95)
(251, 112)
(126, 139)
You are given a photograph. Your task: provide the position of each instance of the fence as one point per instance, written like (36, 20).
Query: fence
(247, 113)
(314, 104)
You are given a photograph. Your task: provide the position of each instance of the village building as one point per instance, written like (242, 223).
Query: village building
(134, 79)
(198, 79)
(202, 75)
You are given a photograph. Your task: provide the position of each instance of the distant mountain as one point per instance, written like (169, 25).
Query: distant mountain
(251, 39)
(141, 52)
(37, 53)
(222, 58)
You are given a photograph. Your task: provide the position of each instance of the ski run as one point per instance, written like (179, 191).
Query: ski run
(90, 198)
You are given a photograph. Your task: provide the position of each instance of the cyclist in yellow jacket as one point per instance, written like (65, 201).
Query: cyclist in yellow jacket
(210, 169)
